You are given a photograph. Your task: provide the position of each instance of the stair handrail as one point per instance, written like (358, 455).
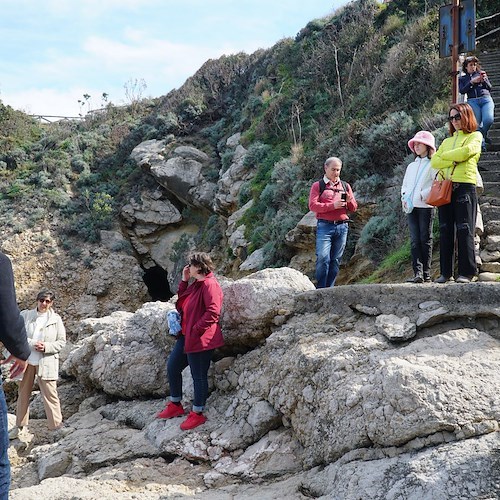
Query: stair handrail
(486, 19)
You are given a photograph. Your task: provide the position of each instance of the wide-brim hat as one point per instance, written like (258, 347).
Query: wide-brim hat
(425, 138)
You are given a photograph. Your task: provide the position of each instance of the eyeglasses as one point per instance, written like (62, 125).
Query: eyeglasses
(457, 117)
(44, 301)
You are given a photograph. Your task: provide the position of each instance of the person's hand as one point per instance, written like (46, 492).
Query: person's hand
(185, 273)
(476, 79)
(339, 204)
(40, 346)
(18, 365)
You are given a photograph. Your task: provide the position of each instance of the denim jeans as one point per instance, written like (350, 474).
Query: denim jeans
(4, 445)
(420, 226)
(484, 109)
(199, 363)
(330, 245)
(458, 217)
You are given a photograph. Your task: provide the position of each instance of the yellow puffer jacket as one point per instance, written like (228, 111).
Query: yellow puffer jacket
(461, 150)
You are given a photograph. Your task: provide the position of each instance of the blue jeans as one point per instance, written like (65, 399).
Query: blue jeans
(458, 218)
(4, 445)
(420, 226)
(199, 363)
(484, 109)
(330, 245)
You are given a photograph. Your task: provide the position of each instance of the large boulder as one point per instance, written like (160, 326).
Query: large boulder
(123, 354)
(179, 170)
(256, 305)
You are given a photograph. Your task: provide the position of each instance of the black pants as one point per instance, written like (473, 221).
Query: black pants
(458, 218)
(420, 226)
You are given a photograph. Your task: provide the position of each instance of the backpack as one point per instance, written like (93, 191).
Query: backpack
(322, 186)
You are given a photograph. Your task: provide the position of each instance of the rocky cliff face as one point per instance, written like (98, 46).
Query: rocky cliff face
(89, 281)
(373, 392)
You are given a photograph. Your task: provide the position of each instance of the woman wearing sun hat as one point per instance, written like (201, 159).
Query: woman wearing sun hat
(414, 190)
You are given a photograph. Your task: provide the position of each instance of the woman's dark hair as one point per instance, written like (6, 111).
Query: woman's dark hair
(46, 294)
(202, 261)
(469, 59)
(467, 119)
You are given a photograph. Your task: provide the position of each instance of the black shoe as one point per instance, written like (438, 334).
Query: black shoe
(427, 279)
(444, 279)
(415, 279)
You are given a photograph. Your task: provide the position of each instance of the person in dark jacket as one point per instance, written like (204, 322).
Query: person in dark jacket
(199, 305)
(13, 337)
(476, 84)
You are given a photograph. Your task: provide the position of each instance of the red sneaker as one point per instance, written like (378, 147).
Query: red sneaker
(193, 420)
(172, 410)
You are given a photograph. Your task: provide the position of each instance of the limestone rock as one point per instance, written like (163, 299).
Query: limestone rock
(394, 327)
(251, 303)
(254, 261)
(126, 353)
(150, 215)
(230, 182)
(303, 235)
(495, 277)
(179, 171)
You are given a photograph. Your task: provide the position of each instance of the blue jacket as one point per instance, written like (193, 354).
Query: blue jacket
(473, 90)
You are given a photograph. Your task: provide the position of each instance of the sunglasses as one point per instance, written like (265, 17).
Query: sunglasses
(457, 117)
(44, 301)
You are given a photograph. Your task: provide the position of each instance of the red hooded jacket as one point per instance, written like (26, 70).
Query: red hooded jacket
(200, 307)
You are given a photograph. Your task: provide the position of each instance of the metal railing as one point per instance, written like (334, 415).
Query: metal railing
(491, 31)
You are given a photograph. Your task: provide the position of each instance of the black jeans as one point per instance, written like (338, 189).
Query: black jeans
(420, 226)
(458, 218)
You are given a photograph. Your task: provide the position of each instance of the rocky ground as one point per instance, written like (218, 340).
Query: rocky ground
(372, 392)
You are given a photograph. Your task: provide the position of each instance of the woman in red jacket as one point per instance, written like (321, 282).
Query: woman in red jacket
(199, 305)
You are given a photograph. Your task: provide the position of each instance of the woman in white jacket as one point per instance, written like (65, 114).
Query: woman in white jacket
(46, 337)
(415, 189)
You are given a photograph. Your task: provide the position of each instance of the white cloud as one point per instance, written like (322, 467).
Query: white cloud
(44, 101)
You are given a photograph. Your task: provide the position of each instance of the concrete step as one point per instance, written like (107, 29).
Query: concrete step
(491, 189)
(491, 227)
(485, 166)
(490, 175)
(490, 212)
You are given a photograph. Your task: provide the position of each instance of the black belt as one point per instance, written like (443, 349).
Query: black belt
(334, 222)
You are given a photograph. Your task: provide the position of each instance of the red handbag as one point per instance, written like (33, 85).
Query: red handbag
(441, 189)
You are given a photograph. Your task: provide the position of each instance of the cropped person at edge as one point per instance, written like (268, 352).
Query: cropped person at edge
(331, 206)
(13, 337)
(417, 183)
(458, 156)
(199, 305)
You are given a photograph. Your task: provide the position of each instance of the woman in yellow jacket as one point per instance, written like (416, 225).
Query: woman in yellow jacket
(457, 158)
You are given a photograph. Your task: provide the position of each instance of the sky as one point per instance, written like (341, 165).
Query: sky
(53, 52)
